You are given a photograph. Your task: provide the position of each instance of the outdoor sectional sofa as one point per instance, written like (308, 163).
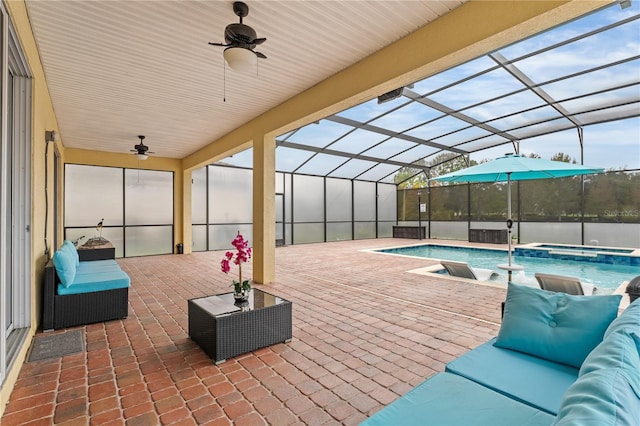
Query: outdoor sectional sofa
(558, 359)
(82, 292)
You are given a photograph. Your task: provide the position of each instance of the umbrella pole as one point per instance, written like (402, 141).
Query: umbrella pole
(510, 267)
(509, 222)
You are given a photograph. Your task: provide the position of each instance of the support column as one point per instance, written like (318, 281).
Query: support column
(264, 209)
(187, 231)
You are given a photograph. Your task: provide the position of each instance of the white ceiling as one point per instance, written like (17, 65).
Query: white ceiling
(117, 69)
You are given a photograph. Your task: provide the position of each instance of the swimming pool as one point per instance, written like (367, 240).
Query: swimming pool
(614, 256)
(604, 276)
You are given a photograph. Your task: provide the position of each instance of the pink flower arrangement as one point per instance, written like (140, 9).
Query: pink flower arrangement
(242, 255)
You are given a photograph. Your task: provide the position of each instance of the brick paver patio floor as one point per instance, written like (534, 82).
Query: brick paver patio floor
(365, 331)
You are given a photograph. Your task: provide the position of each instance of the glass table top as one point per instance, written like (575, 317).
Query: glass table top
(224, 304)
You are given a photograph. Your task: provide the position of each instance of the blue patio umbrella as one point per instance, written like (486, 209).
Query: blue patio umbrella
(516, 167)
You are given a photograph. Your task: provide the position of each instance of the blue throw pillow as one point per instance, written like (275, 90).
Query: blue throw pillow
(65, 267)
(71, 249)
(555, 326)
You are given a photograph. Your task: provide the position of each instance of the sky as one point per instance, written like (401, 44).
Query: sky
(610, 145)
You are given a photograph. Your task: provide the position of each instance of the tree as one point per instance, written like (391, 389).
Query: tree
(411, 177)
(449, 162)
(552, 198)
(565, 158)
(414, 177)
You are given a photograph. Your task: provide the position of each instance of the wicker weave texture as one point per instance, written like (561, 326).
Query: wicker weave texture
(88, 308)
(233, 334)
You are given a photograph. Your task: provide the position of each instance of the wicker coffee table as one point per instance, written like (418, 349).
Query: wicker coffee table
(224, 329)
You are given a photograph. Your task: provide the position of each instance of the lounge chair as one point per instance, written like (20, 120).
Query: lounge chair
(560, 283)
(463, 270)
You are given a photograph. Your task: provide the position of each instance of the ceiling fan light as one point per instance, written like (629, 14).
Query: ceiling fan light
(240, 59)
(142, 156)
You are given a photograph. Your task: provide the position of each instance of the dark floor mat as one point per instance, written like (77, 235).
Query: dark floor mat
(57, 345)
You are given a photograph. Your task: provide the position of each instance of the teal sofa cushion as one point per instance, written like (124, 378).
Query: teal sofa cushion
(526, 378)
(629, 320)
(65, 267)
(607, 391)
(97, 266)
(618, 350)
(98, 281)
(71, 249)
(448, 399)
(555, 326)
(601, 398)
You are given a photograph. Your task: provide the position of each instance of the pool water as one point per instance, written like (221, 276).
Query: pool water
(604, 276)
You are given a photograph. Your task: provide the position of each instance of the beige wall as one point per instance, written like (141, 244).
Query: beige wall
(469, 31)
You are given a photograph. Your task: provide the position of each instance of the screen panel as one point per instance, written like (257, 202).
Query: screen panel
(220, 236)
(364, 230)
(338, 200)
(308, 199)
(199, 235)
(308, 233)
(199, 196)
(85, 204)
(339, 231)
(230, 195)
(385, 229)
(148, 240)
(114, 235)
(364, 194)
(148, 197)
(387, 202)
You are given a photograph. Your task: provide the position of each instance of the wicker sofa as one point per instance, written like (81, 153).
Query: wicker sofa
(558, 359)
(78, 292)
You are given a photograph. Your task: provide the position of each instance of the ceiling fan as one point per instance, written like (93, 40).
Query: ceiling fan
(141, 150)
(240, 42)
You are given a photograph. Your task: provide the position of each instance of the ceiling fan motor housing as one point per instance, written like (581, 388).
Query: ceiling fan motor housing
(141, 148)
(239, 34)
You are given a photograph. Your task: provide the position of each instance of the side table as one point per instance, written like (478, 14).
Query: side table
(90, 251)
(224, 329)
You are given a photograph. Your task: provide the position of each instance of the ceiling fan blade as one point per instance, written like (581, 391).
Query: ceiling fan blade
(260, 55)
(258, 40)
(219, 44)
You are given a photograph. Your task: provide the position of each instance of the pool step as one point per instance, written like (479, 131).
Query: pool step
(572, 253)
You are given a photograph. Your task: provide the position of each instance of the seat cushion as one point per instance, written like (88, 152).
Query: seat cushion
(91, 267)
(526, 378)
(448, 399)
(98, 281)
(556, 326)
